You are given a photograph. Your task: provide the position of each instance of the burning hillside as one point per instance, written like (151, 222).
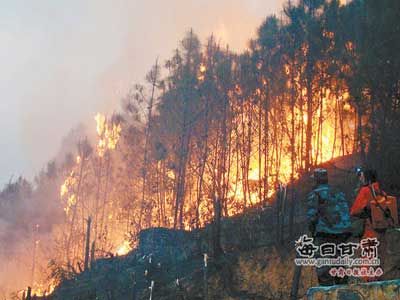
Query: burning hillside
(211, 132)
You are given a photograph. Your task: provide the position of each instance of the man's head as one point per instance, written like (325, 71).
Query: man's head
(369, 176)
(360, 175)
(320, 176)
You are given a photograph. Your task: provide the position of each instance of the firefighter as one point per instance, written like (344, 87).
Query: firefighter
(329, 221)
(361, 208)
(361, 205)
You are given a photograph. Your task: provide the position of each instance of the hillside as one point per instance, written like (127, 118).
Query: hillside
(211, 154)
(255, 264)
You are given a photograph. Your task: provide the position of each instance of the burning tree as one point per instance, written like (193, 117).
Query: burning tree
(217, 126)
(214, 132)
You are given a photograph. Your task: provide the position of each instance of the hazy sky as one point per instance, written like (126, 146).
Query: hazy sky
(62, 61)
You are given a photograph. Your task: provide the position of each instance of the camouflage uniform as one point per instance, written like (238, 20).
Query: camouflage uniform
(329, 220)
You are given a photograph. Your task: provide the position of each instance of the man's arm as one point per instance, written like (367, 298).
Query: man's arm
(360, 203)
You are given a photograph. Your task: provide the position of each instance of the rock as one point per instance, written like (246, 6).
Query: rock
(382, 290)
(178, 245)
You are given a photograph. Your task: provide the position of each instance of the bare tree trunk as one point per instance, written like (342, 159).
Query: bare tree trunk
(153, 77)
(162, 191)
(185, 138)
(74, 211)
(248, 155)
(292, 210)
(318, 142)
(228, 160)
(282, 215)
(29, 293)
(35, 245)
(336, 126)
(105, 195)
(260, 196)
(309, 125)
(181, 180)
(98, 190)
(158, 196)
(360, 136)
(266, 149)
(217, 249)
(93, 253)
(341, 121)
(302, 154)
(278, 215)
(87, 248)
(202, 166)
(243, 155)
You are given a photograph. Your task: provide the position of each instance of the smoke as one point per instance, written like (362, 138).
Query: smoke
(26, 220)
(64, 61)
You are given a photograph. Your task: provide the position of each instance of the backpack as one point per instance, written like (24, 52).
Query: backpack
(383, 210)
(333, 211)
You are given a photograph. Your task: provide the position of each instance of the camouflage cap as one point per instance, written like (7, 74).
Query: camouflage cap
(319, 173)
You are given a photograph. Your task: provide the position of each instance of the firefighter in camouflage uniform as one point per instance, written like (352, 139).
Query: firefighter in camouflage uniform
(329, 221)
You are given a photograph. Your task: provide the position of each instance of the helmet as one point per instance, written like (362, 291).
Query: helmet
(320, 174)
(359, 171)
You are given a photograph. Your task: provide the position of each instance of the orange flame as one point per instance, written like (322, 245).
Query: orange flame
(124, 248)
(108, 134)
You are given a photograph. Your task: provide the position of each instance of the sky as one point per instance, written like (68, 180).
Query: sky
(61, 62)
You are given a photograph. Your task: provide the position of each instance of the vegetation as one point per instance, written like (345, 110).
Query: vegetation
(213, 132)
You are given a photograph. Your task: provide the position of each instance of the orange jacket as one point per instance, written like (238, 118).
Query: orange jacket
(361, 202)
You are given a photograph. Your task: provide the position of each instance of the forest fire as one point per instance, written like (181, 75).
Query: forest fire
(124, 248)
(108, 134)
(210, 134)
(248, 186)
(246, 179)
(249, 149)
(244, 173)
(40, 290)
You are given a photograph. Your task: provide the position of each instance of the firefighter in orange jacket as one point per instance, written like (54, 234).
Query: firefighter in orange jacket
(361, 208)
(361, 205)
